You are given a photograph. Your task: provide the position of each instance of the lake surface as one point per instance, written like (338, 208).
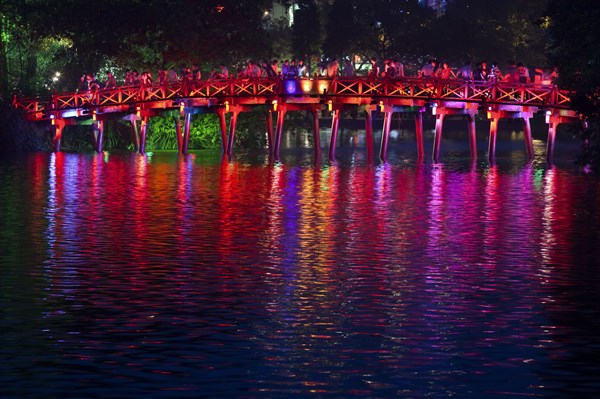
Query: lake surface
(129, 276)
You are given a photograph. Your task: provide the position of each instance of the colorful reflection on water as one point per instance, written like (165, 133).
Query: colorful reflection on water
(169, 276)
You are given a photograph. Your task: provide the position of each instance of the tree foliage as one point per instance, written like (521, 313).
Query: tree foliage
(576, 50)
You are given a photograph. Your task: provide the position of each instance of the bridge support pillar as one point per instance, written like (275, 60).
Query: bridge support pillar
(279, 130)
(316, 133)
(437, 141)
(59, 125)
(528, 139)
(552, 126)
(369, 134)
(178, 133)
(419, 135)
(385, 135)
(134, 132)
(98, 129)
(335, 122)
(143, 126)
(223, 130)
(185, 145)
(492, 142)
(232, 125)
(269, 120)
(472, 136)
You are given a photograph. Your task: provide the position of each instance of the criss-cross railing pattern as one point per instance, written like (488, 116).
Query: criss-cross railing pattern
(420, 89)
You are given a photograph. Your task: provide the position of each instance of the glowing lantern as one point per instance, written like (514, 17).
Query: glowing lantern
(274, 102)
(329, 105)
(306, 86)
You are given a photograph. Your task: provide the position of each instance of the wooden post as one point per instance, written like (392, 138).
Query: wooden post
(335, 119)
(186, 133)
(492, 142)
(369, 134)
(269, 120)
(223, 130)
(279, 130)
(178, 133)
(528, 139)
(552, 126)
(232, 124)
(99, 136)
(437, 141)
(472, 136)
(134, 132)
(59, 125)
(419, 136)
(316, 133)
(143, 126)
(385, 134)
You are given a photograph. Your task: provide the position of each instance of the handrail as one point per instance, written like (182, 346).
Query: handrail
(404, 88)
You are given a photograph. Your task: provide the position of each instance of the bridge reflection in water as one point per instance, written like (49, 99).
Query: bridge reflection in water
(135, 273)
(276, 97)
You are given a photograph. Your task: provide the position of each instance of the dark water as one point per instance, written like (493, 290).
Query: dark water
(126, 276)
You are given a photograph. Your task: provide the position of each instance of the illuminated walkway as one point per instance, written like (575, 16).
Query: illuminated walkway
(407, 95)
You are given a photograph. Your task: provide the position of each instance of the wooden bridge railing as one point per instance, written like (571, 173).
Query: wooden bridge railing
(405, 88)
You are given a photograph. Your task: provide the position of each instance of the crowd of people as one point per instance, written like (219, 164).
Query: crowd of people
(290, 69)
(515, 72)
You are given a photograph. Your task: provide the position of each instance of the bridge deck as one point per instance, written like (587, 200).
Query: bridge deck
(317, 91)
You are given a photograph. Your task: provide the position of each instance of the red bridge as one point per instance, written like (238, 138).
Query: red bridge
(232, 96)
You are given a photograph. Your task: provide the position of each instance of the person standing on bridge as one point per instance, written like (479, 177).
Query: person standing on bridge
(224, 74)
(275, 67)
(111, 81)
(82, 86)
(465, 72)
(495, 74)
(128, 80)
(445, 72)
(292, 70)
(399, 67)
(523, 73)
(429, 69)
(374, 72)
(173, 78)
(196, 75)
(268, 68)
(285, 67)
(302, 69)
(348, 68)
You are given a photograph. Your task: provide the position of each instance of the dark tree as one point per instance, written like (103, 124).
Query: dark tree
(574, 27)
(498, 31)
(306, 32)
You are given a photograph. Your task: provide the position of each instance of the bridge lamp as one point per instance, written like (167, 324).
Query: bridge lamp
(226, 106)
(274, 102)
(290, 87)
(329, 105)
(306, 86)
(94, 117)
(181, 106)
(52, 120)
(138, 111)
(548, 114)
(323, 86)
(434, 109)
(380, 106)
